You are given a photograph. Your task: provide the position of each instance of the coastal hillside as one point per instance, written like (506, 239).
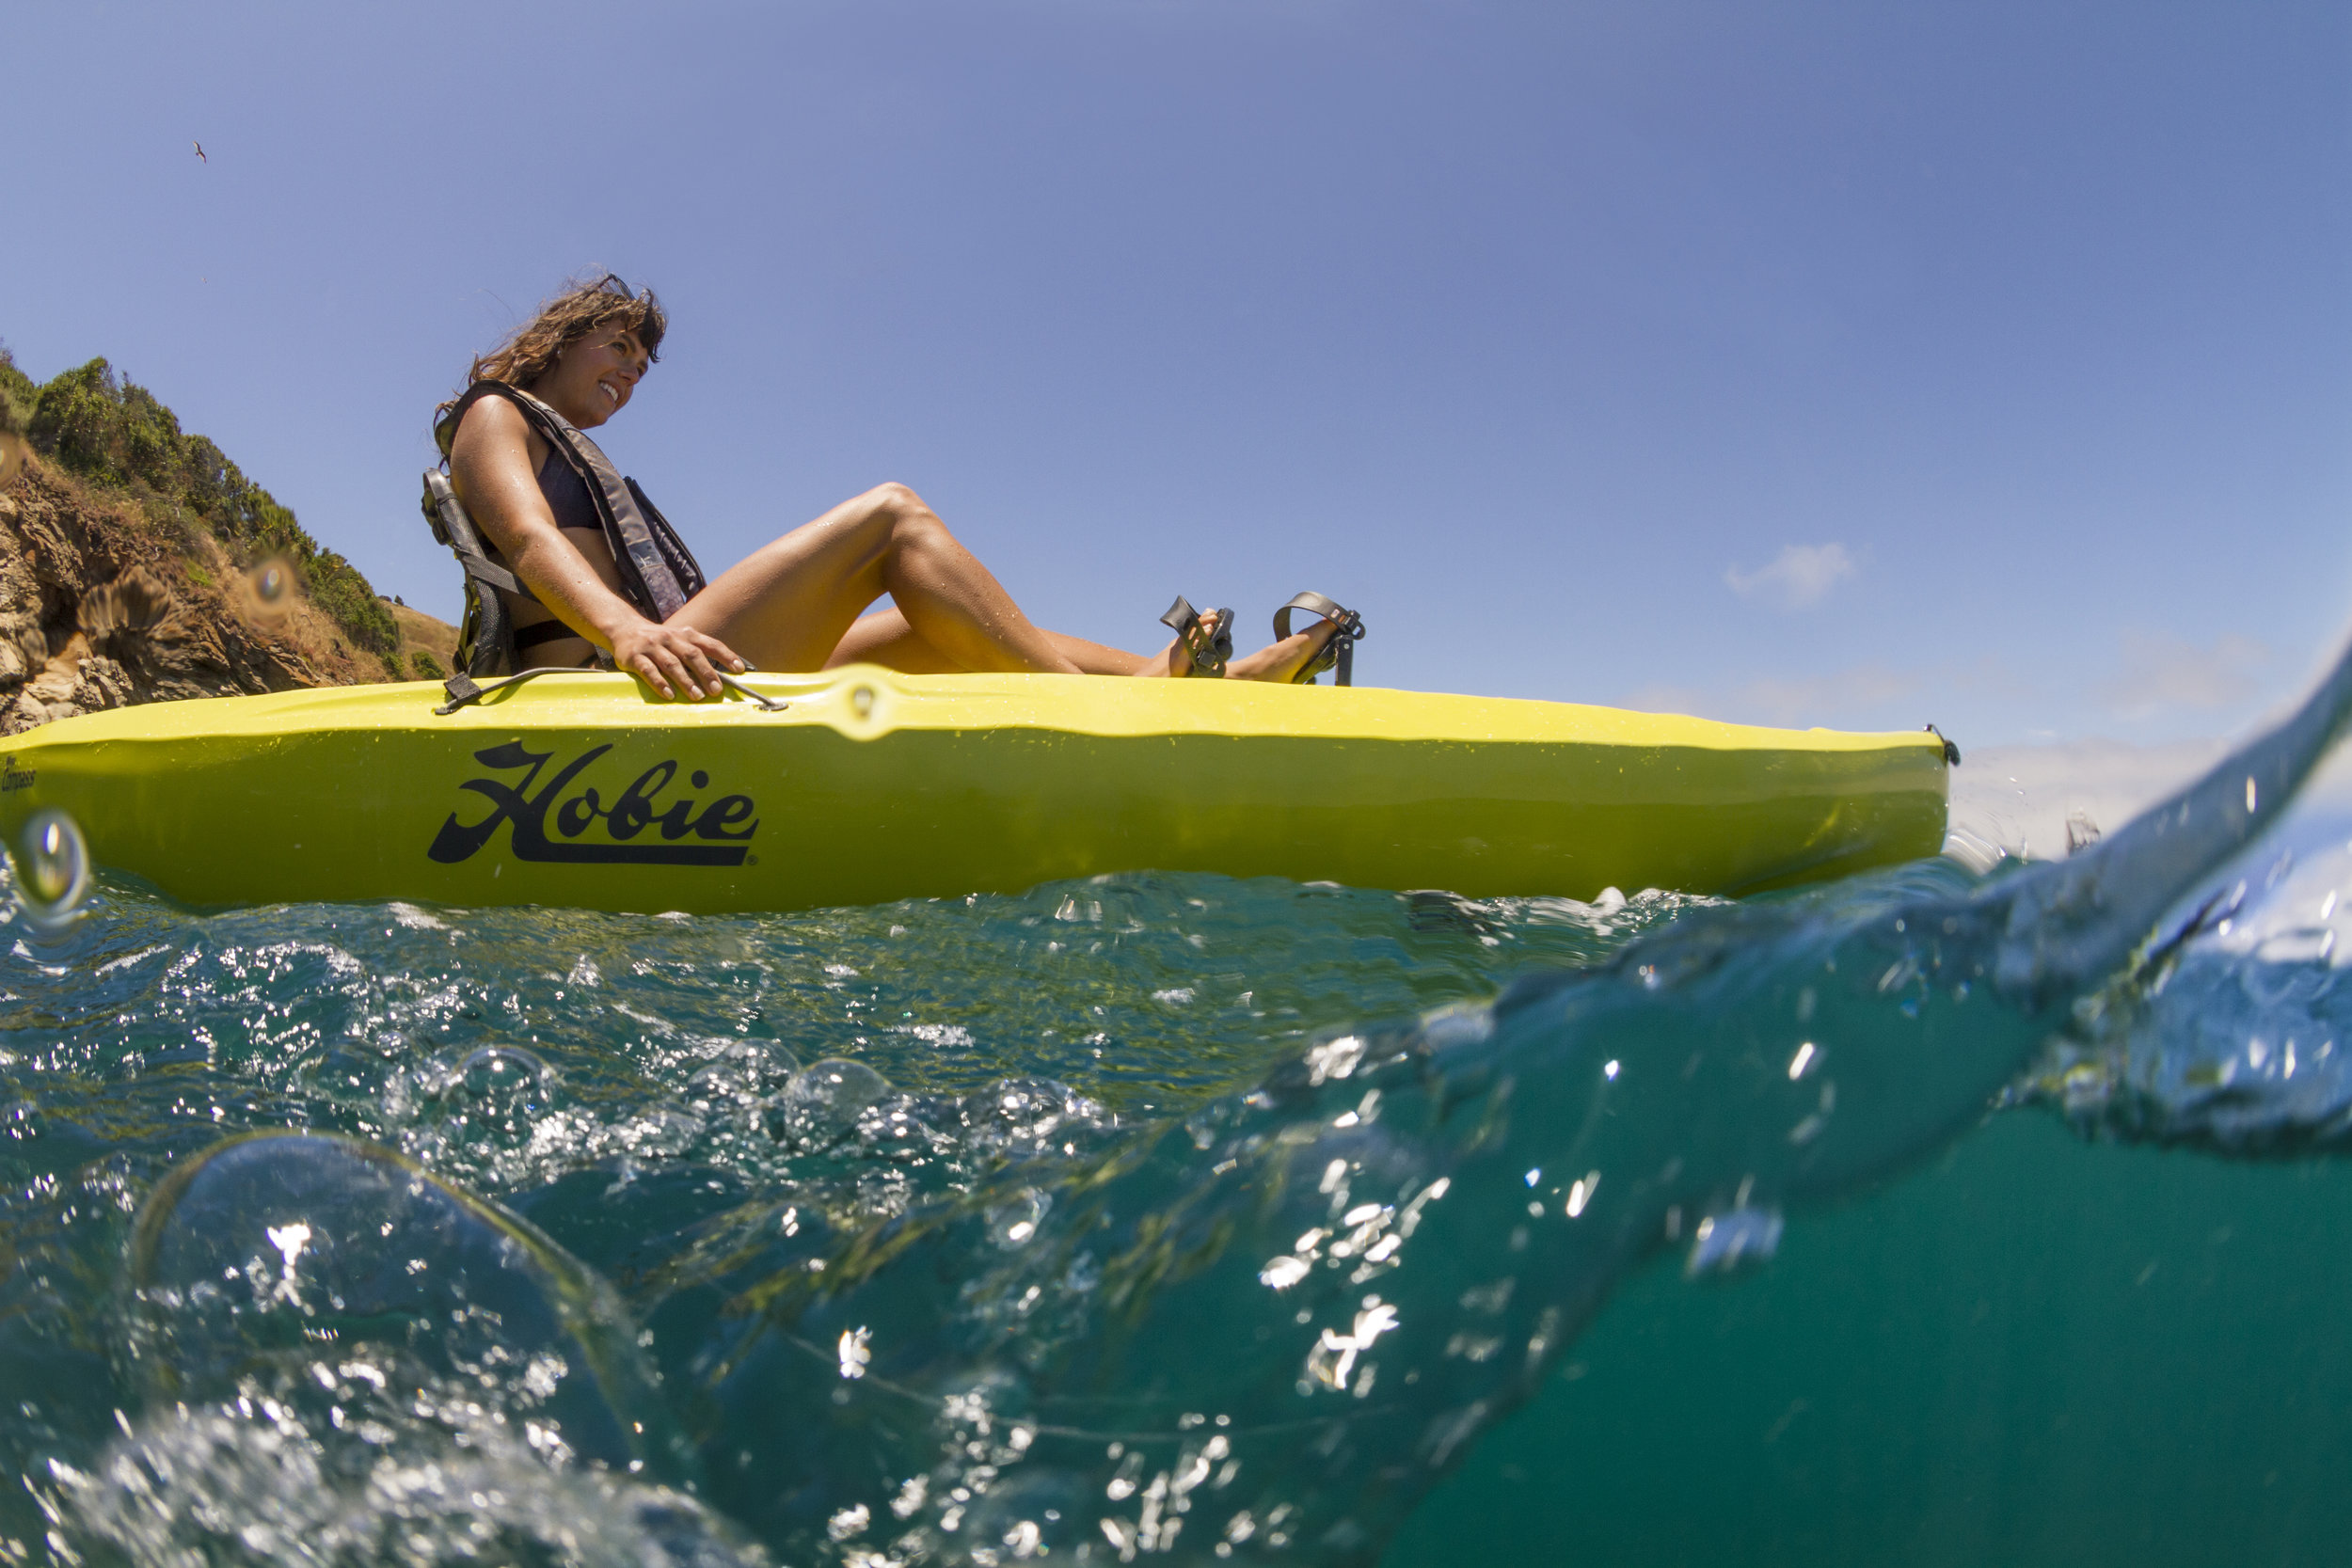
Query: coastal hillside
(138, 563)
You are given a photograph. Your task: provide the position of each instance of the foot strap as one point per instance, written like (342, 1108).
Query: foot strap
(1347, 629)
(1209, 650)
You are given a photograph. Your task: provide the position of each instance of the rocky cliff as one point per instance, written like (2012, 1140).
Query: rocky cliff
(137, 564)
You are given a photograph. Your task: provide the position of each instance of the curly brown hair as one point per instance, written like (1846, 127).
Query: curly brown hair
(532, 350)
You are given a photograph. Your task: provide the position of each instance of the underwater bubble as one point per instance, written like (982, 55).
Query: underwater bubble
(247, 1483)
(502, 1086)
(741, 1072)
(899, 1127)
(1736, 1236)
(1022, 1116)
(267, 1261)
(52, 868)
(1025, 1104)
(1014, 1222)
(823, 1099)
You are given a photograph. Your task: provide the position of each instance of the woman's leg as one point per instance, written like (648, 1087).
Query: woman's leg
(887, 639)
(794, 605)
(789, 604)
(1281, 662)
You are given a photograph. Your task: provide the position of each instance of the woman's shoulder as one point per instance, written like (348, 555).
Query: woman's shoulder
(486, 406)
(485, 422)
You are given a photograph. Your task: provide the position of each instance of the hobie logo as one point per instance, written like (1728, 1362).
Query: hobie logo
(530, 808)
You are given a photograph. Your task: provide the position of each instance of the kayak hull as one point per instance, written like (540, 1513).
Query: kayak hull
(870, 786)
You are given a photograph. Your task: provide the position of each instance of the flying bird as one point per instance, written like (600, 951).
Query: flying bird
(199, 152)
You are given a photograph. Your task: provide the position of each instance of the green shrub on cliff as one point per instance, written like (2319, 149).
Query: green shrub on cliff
(96, 424)
(17, 393)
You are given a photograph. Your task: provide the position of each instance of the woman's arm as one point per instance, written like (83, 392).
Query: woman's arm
(491, 470)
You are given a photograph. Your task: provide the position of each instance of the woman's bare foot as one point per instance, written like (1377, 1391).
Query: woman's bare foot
(1175, 661)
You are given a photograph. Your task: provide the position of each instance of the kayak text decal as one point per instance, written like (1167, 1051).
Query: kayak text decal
(13, 778)
(677, 829)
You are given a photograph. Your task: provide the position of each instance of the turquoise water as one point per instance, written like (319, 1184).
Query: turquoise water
(2032, 1352)
(1927, 1217)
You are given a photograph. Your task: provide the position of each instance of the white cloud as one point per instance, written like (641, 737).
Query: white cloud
(2161, 673)
(1798, 578)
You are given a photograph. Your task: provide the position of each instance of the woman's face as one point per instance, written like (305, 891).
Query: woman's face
(593, 379)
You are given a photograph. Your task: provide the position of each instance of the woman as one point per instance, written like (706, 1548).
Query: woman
(794, 604)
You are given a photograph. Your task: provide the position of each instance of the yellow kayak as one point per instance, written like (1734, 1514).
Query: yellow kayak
(866, 785)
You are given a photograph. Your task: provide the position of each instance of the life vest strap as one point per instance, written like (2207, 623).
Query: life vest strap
(482, 569)
(658, 574)
(486, 638)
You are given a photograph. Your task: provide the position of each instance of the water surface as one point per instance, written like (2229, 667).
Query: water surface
(1178, 1216)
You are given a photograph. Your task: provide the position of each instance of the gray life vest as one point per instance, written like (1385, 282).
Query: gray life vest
(658, 572)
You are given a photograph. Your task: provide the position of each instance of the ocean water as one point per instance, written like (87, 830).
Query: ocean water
(1966, 1212)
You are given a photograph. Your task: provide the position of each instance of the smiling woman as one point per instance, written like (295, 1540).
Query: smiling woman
(519, 463)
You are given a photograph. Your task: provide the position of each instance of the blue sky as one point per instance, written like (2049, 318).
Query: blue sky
(1853, 365)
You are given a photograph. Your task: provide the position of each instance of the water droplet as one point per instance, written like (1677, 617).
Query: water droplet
(52, 864)
(270, 590)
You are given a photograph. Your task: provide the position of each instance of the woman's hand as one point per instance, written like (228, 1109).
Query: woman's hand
(662, 654)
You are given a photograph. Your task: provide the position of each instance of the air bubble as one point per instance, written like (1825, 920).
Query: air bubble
(1014, 1222)
(741, 1072)
(823, 1099)
(52, 864)
(499, 1088)
(1733, 1238)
